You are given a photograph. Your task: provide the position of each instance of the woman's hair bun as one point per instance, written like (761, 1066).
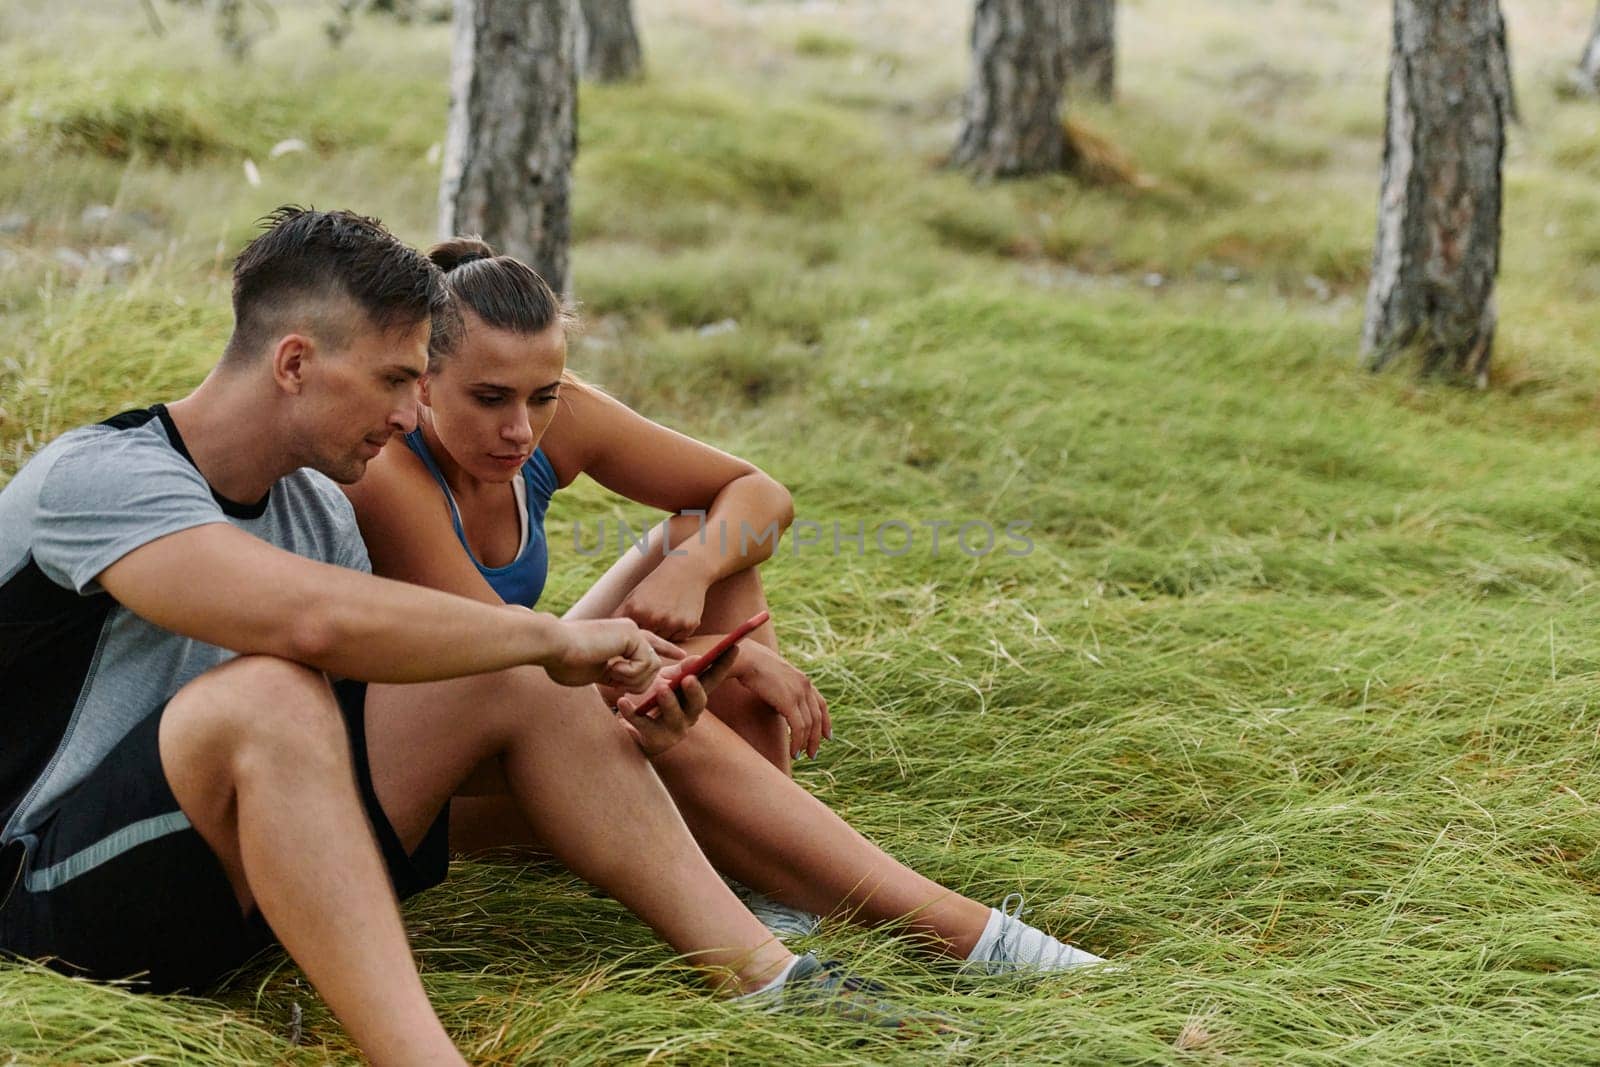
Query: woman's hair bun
(459, 251)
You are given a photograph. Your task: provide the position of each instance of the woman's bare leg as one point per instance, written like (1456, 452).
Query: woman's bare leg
(765, 830)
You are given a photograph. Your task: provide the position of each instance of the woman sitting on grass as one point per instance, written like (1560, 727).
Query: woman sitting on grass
(459, 505)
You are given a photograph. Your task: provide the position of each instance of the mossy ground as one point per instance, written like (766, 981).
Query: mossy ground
(1289, 709)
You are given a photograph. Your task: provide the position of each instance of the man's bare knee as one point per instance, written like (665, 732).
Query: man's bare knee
(252, 713)
(253, 705)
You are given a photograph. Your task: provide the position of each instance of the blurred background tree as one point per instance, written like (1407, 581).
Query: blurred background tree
(609, 41)
(513, 130)
(512, 134)
(1438, 245)
(1089, 40)
(1587, 76)
(1011, 120)
(239, 24)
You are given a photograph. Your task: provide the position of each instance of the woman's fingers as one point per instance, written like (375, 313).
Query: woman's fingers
(678, 709)
(816, 722)
(795, 716)
(694, 699)
(803, 716)
(721, 667)
(805, 738)
(659, 729)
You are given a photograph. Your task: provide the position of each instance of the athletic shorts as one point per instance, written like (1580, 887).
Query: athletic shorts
(116, 884)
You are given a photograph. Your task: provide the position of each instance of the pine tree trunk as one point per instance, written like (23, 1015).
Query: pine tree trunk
(513, 129)
(1587, 76)
(1438, 246)
(1089, 36)
(609, 42)
(1012, 122)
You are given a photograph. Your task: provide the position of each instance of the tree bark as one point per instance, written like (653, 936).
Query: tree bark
(1438, 245)
(609, 43)
(513, 130)
(1089, 39)
(1587, 76)
(1502, 71)
(1012, 122)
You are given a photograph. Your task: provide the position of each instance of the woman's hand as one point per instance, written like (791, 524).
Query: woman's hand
(660, 728)
(787, 690)
(670, 601)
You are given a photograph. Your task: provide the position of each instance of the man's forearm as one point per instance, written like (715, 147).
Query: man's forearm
(219, 585)
(378, 630)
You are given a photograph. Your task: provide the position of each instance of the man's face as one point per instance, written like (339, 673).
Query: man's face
(360, 396)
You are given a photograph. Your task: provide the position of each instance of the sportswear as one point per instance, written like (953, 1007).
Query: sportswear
(781, 919)
(1008, 946)
(78, 670)
(100, 869)
(813, 986)
(522, 580)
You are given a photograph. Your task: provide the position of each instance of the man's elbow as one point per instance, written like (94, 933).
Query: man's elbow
(315, 634)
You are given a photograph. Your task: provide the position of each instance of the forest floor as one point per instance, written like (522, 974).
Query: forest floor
(1289, 708)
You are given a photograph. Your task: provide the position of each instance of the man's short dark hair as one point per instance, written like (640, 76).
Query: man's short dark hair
(310, 256)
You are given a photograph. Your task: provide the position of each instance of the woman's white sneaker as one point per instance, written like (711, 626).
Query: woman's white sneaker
(1010, 946)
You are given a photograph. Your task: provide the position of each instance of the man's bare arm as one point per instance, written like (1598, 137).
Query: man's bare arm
(220, 585)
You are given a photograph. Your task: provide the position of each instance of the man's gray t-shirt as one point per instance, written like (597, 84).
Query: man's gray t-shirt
(78, 670)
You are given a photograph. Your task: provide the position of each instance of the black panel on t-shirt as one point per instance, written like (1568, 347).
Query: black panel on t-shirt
(128, 420)
(48, 637)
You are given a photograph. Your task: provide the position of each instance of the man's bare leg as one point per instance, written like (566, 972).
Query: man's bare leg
(581, 786)
(728, 603)
(256, 754)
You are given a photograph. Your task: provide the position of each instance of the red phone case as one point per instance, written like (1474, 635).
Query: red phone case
(697, 665)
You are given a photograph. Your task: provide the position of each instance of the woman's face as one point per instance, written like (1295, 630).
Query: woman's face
(493, 400)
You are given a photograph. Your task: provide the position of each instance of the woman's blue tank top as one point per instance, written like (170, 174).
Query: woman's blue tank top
(522, 580)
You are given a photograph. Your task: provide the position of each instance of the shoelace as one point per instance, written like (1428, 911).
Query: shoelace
(1010, 940)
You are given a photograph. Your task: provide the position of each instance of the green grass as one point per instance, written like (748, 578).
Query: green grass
(1289, 708)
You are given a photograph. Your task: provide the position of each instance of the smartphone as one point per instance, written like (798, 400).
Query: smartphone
(698, 665)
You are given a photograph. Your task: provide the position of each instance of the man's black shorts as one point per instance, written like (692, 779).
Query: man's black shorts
(117, 884)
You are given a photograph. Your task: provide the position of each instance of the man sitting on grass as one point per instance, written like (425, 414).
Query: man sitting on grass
(181, 783)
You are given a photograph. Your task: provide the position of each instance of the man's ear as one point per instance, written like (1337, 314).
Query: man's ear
(289, 358)
(422, 391)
